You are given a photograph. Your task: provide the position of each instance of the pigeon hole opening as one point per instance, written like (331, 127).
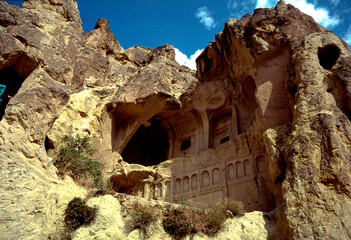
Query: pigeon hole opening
(328, 55)
(149, 145)
(223, 140)
(185, 144)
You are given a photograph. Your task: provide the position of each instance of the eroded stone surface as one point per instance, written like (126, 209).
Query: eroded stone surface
(265, 120)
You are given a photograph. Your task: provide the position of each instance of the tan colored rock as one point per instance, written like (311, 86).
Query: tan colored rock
(252, 226)
(265, 121)
(275, 143)
(318, 170)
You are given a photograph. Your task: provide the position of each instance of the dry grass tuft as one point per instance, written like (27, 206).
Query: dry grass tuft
(185, 220)
(141, 216)
(235, 207)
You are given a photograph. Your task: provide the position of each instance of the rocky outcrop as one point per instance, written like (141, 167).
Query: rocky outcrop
(302, 92)
(109, 225)
(318, 154)
(36, 62)
(69, 82)
(265, 120)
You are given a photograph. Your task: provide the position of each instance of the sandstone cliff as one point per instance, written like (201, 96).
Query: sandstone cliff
(301, 77)
(265, 120)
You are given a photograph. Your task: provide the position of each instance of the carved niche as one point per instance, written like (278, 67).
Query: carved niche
(194, 182)
(177, 185)
(215, 176)
(239, 169)
(186, 184)
(231, 172)
(205, 179)
(247, 168)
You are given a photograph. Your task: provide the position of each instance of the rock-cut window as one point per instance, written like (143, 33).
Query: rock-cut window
(185, 144)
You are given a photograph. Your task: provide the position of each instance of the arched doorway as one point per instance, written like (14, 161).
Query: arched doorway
(149, 145)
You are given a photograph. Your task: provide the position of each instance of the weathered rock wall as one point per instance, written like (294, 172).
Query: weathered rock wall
(69, 82)
(42, 54)
(301, 77)
(317, 185)
(266, 121)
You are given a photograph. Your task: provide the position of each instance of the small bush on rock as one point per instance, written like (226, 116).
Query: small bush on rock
(213, 220)
(141, 217)
(235, 207)
(184, 220)
(78, 213)
(75, 158)
(177, 223)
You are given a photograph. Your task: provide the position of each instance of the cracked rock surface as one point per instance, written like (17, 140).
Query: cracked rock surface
(287, 78)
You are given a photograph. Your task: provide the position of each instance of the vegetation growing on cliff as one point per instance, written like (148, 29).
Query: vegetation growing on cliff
(75, 158)
(76, 214)
(184, 220)
(141, 217)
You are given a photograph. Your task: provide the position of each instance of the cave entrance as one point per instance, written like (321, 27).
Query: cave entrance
(13, 81)
(12, 74)
(328, 55)
(149, 145)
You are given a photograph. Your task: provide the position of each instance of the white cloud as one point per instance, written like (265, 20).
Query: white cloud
(265, 3)
(347, 36)
(205, 17)
(182, 59)
(320, 15)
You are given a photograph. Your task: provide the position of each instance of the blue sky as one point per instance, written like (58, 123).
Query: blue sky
(190, 24)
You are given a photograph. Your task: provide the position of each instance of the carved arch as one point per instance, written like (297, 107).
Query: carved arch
(239, 169)
(205, 179)
(215, 176)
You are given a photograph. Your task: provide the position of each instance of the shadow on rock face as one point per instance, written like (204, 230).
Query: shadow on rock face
(13, 77)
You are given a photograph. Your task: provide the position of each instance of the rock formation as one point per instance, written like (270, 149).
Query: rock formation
(264, 120)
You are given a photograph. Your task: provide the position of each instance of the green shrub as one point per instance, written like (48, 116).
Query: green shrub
(78, 213)
(75, 157)
(141, 217)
